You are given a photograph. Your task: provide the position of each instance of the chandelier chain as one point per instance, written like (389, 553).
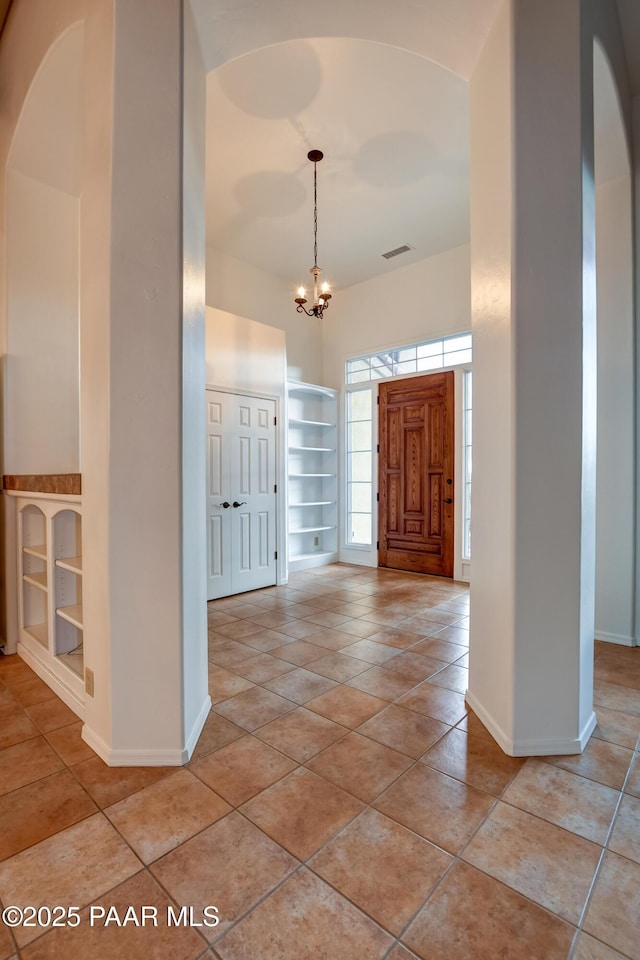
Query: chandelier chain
(315, 214)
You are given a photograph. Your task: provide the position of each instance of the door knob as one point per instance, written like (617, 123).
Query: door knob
(446, 500)
(236, 504)
(226, 504)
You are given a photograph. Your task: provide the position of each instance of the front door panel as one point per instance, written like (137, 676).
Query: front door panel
(416, 474)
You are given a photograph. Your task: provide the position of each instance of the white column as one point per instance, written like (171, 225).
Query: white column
(143, 392)
(533, 314)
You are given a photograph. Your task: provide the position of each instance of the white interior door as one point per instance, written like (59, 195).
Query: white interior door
(241, 493)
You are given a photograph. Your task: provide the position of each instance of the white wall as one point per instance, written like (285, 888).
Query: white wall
(41, 402)
(241, 289)
(430, 298)
(243, 356)
(615, 461)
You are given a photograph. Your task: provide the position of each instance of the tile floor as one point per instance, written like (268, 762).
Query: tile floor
(342, 801)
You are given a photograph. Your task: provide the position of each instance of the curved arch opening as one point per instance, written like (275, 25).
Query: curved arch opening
(43, 181)
(615, 547)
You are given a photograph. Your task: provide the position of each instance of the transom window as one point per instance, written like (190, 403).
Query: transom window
(416, 358)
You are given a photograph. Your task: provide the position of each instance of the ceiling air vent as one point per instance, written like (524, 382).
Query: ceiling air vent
(396, 253)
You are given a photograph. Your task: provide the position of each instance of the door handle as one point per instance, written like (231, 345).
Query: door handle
(446, 500)
(236, 504)
(226, 505)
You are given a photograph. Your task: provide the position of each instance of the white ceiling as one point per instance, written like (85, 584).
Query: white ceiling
(389, 109)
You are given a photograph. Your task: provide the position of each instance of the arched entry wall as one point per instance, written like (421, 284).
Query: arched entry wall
(44, 181)
(615, 483)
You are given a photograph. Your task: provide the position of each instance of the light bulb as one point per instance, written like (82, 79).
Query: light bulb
(301, 292)
(325, 287)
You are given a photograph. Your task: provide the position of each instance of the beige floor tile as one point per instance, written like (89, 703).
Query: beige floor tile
(435, 702)
(68, 743)
(215, 734)
(478, 761)
(327, 618)
(300, 685)
(396, 637)
(346, 706)
(299, 652)
(232, 654)
(360, 766)
(633, 783)
(40, 809)
(297, 630)
(566, 799)
(231, 865)
(404, 730)
(415, 666)
(605, 762)
(382, 683)
(8, 949)
(473, 917)
(31, 690)
(51, 714)
(302, 812)
(622, 671)
(472, 724)
(223, 684)
(625, 838)
(107, 785)
(25, 762)
(305, 919)
(401, 953)
(617, 727)
(267, 640)
(273, 619)
(407, 868)
(440, 809)
(371, 651)
(15, 725)
(216, 617)
(359, 628)
(253, 708)
(587, 948)
(337, 666)
(159, 817)
(616, 698)
(335, 640)
(241, 769)
(112, 942)
(453, 677)
(549, 865)
(79, 864)
(612, 915)
(301, 734)
(262, 668)
(440, 649)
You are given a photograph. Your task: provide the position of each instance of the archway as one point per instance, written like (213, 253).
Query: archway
(614, 602)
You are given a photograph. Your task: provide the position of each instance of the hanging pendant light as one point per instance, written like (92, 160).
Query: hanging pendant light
(321, 296)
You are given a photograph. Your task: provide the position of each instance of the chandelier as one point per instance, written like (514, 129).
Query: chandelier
(320, 297)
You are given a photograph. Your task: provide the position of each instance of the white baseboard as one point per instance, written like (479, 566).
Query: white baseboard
(194, 736)
(535, 747)
(148, 758)
(69, 689)
(615, 638)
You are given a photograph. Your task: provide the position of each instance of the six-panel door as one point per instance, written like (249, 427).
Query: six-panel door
(241, 499)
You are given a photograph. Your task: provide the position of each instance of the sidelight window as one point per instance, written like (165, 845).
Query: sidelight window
(359, 449)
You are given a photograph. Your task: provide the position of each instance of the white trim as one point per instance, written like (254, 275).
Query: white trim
(532, 748)
(34, 495)
(196, 730)
(58, 683)
(616, 638)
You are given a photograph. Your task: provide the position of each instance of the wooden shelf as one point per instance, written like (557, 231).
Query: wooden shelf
(40, 552)
(38, 580)
(313, 449)
(314, 503)
(74, 564)
(294, 422)
(39, 632)
(72, 613)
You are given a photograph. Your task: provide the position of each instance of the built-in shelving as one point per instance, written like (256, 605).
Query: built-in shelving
(51, 625)
(312, 475)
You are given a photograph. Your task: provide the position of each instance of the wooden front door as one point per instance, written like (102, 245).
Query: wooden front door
(415, 519)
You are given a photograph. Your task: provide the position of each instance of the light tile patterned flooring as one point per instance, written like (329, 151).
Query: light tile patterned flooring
(342, 801)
